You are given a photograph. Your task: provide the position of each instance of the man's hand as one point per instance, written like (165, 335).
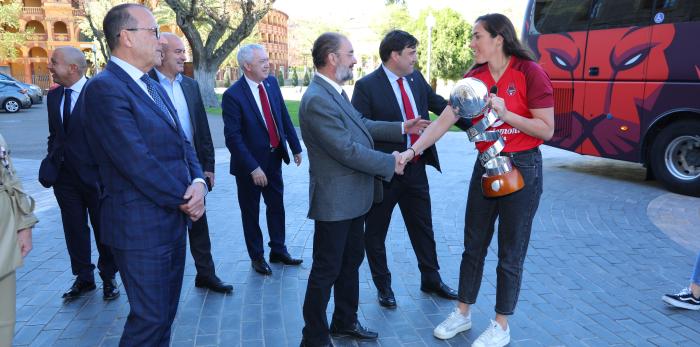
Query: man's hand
(297, 159)
(194, 195)
(211, 178)
(398, 165)
(24, 240)
(415, 126)
(259, 178)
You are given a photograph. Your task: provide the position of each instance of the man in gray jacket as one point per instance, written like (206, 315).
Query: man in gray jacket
(343, 184)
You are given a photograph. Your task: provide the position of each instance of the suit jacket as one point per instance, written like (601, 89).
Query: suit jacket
(245, 130)
(375, 99)
(145, 163)
(342, 160)
(67, 147)
(201, 134)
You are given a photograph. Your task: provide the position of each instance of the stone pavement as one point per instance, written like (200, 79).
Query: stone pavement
(605, 247)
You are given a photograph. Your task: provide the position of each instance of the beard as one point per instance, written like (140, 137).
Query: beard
(343, 73)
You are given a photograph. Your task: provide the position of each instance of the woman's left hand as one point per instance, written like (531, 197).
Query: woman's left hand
(499, 106)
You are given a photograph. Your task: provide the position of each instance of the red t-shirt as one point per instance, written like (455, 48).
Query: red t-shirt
(523, 86)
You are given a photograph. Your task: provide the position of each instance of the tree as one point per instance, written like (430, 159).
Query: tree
(392, 16)
(10, 36)
(213, 29)
(280, 77)
(295, 77)
(307, 78)
(451, 55)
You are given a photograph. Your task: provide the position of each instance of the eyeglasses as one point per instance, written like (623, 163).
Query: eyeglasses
(155, 30)
(349, 54)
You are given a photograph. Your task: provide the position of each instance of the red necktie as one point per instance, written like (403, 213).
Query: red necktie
(271, 130)
(409, 113)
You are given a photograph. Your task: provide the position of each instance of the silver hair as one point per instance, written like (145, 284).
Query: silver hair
(72, 55)
(245, 53)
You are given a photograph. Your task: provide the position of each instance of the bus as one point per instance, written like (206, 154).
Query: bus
(626, 78)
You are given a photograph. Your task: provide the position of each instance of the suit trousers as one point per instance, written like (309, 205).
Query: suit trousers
(8, 302)
(412, 193)
(337, 254)
(249, 202)
(152, 279)
(200, 248)
(78, 202)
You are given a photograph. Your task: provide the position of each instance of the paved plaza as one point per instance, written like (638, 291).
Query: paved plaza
(606, 244)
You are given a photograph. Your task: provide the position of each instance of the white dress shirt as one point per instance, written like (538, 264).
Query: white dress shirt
(177, 96)
(256, 95)
(76, 88)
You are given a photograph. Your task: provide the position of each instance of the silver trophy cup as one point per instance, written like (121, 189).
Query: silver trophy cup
(469, 99)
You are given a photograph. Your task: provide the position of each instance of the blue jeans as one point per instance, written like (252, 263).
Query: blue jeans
(696, 272)
(515, 213)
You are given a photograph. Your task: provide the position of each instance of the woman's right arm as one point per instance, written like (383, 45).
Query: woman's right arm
(431, 134)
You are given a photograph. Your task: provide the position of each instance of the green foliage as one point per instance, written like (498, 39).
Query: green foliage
(280, 77)
(295, 77)
(307, 78)
(393, 16)
(451, 56)
(10, 35)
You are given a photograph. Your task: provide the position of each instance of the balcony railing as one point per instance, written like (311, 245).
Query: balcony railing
(78, 12)
(61, 37)
(37, 37)
(35, 11)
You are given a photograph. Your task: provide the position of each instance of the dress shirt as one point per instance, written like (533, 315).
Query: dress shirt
(393, 80)
(256, 95)
(177, 96)
(77, 87)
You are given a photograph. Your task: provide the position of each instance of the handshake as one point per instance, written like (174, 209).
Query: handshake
(413, 126)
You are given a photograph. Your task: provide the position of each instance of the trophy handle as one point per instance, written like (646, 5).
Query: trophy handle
(503, 184)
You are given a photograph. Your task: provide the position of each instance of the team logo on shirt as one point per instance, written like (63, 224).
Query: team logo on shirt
(511, 89)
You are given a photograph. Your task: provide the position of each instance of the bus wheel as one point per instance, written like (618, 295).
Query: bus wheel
(675, 157)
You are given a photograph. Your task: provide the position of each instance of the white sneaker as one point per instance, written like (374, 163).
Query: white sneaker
(455, 323)
(494, 336)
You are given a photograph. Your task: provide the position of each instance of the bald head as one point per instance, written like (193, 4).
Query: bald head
(174, 56)
(67, 65)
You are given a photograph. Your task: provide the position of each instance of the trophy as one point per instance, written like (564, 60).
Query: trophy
(469, 100)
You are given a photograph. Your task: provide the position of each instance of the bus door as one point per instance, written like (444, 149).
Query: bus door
(558, 36)
(617, 55)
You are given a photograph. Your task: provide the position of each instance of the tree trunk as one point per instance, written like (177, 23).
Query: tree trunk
(206, 77)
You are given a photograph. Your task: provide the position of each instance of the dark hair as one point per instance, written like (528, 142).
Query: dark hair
(117, 18)
(498, 24)
(396, 41)
(324, 45)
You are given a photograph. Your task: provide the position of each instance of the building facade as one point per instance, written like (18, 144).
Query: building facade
(53, 23)
(273, 35)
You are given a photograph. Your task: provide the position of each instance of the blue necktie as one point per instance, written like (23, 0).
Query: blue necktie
(66, 107)
(156, 96)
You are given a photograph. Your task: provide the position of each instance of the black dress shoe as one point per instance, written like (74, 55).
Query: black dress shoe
(284, 258)
(262, 267)
(441, 289)
(386, 298)
(79, 288)
(213, 283)
(109, 289)
(356, 331)
(306, 343)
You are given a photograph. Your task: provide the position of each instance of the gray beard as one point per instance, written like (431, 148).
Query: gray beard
(343, 73)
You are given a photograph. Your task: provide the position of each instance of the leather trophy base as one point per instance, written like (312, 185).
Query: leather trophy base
(503, 184)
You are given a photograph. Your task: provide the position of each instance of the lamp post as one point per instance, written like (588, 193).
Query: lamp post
(430, 23)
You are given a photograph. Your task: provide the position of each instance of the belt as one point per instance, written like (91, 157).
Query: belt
(527, 151)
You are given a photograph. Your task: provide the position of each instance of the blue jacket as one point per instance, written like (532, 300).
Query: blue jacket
(145, 162)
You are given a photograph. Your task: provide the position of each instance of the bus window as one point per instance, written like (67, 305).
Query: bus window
(608, 14)
(674, 11)
(558, 16)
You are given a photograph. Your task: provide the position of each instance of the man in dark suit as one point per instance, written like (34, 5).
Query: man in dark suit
(257, 128)
(183, 92)
(396, 92)
(70, 168)
(153, 184)
(343, 182)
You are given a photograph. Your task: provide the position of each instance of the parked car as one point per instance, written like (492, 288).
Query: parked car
(13, 96)
(34, 92)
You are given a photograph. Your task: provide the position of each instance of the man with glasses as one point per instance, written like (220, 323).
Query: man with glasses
(152, 184)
